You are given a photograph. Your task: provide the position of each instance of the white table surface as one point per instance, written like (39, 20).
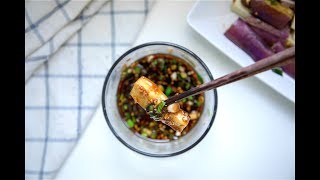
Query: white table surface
(253, 135)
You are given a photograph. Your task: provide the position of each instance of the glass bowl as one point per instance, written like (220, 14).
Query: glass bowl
(144, 145)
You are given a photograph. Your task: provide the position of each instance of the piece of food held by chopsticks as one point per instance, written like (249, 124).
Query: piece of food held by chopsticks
(147, 94)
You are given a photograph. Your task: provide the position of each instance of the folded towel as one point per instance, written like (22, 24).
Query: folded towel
(70, 47)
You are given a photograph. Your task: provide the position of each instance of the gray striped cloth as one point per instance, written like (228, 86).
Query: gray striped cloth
(69, 47)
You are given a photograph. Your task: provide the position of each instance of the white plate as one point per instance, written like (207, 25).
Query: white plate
(211, 19)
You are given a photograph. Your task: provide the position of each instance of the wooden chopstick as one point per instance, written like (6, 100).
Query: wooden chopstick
(282, 58)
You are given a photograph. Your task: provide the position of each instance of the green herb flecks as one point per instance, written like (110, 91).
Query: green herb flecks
(190, 98)
(127, 115)
(125, 106)
(160, 106)
(187, 86)
(130, 123)
(273, 2)
(153, 112)
(154, 135)
(278, 71)
(134, 119)
(137, 70)
(200, 78)
(168, 91)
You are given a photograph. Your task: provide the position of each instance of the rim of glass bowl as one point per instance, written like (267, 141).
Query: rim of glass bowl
(152, 44)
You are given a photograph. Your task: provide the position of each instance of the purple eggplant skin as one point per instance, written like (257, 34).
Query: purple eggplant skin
(290, 69)
(277, 47)
(245, 38)
(270, 38)
(269, 33)
(272, 12)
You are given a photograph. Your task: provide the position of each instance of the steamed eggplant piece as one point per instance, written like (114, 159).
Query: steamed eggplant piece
(277, 47)
(290, 69)
(270, 38)
(272, 12)
(267, 32)
(245, 38)
(253, 21)
(150, 97)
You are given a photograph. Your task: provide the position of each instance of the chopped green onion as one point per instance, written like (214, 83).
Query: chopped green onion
(190, 98)
(125, 107)
(144, 134)
(165, 67)
(188, 86)
(134, 119)
(200, 78)
(137, 70)
(198, 103)
(174, 61)
(160, 106)
(278, 71)
(127, 115)
(184, 100)
(121, 97)
(130, 123)
(168, 90)
(154, 135)
(155, 62)
(162, 65)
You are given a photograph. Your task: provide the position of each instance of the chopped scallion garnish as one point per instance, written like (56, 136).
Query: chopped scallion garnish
(160, 106)
(168, 91)
(278, 71)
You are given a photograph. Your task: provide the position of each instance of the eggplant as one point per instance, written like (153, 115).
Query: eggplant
(244, 37)
(290, 69)
(266, 31)
(277, 47)
(272, 12)
(270, 38)
(280, 33)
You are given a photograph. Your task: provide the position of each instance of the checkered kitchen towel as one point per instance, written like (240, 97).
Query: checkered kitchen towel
(69, 47)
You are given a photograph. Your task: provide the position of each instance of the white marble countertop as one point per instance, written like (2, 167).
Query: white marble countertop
(252, 137)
